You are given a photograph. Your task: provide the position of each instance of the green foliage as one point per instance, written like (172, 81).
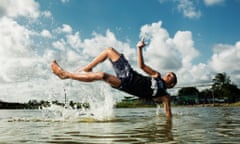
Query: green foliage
(34, 104)
(188, 91)
(128, 103)
(223, 88)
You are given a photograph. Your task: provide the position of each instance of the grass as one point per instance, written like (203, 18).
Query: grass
(140, 104)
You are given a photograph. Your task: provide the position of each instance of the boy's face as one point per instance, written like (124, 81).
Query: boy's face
(168, 78)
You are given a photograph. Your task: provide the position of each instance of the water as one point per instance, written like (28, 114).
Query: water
(139, 125)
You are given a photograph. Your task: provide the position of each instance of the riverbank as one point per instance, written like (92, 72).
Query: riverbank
(122, 104)
(237, 104)
(140, 104)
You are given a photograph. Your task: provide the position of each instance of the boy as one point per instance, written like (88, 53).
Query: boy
(126, 79)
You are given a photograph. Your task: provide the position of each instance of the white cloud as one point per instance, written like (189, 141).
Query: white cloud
(166, 53)
(66, 28)
(72, 51)
(60, 44)
(19, 60)
(99, 42)
(14, 39)
(15, 8)
(160, 52)
(189, 9)
(46, 33)
(25, 73)
(183, 41)
(74, 40)
(65, 1)
(17, 55)
(162, 1)
(194, 74)
(226, 58)
(46, 13)
(213, 2)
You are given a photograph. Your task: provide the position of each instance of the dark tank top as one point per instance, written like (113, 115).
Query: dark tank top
(143, 86)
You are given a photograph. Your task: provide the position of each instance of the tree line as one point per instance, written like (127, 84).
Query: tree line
(222, 90)
(35, 104)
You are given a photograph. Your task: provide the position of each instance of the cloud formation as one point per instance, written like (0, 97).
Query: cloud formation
(15, 8)
(188, 9)
(213, 2)
(25, 54)
(226, 58)
(169, 53)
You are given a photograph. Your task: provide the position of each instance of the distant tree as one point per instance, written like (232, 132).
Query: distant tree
(204, 95)
(220, 80)
(188, 95)
(232, 92)
(223, 88)
(44, 103)
(186, 91)
(72, 104)
(33, 104)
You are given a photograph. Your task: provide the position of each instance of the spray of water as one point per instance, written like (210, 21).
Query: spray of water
(28, 46)
(97, 95)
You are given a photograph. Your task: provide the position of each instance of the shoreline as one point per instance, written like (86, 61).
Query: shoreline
(236, 104)
(211, 105)
(6, 105)
(142, 103)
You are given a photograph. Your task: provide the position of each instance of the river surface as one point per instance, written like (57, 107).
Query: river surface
(213, 125)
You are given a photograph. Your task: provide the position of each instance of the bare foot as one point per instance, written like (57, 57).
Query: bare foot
(57, 70)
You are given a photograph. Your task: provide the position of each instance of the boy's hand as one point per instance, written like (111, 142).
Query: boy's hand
(141, 44)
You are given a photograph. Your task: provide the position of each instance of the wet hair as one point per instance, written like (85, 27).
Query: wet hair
(174, 81)
(175, 78)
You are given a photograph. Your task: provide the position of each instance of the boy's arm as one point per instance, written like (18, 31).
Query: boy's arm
(167, 105)
(141, 63)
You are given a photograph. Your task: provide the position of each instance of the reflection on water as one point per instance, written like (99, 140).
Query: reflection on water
(189, 125)
(155, 130)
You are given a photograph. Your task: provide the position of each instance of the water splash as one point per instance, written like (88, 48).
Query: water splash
(99, 98)
(158, 108)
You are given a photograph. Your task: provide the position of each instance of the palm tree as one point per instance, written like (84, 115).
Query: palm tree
(220, 80)
(222, 87)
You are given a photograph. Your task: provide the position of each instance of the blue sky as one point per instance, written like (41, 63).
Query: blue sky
(216, 23)
(194, 38)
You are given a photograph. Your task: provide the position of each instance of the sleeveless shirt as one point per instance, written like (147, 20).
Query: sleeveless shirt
(143, 86)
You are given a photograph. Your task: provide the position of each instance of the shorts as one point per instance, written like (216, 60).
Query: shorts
(132, 82)
(123, 70)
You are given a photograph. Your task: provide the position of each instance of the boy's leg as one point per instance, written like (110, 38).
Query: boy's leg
(109, 53)
(86, 77)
